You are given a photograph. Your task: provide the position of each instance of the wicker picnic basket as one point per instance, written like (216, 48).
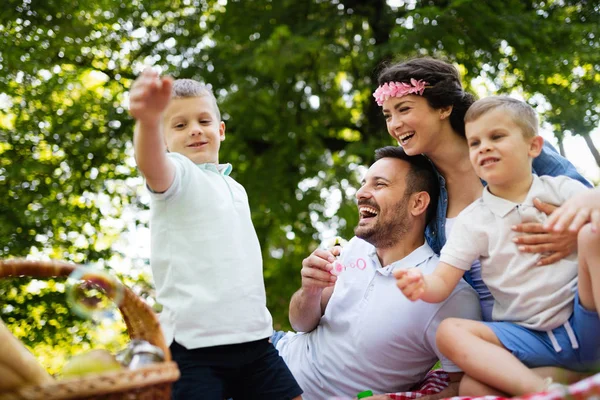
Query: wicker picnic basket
(151, 382)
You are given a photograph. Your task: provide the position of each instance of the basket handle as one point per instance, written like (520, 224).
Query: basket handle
(141, 320)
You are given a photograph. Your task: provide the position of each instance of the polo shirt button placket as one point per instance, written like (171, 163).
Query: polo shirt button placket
(371, 286)
(370, 289)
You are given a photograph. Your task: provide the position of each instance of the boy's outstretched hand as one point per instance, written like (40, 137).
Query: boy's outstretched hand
(410, 282)
(576, 212)
(149, 96)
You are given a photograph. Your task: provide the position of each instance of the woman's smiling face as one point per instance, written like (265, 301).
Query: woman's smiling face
(413, 122)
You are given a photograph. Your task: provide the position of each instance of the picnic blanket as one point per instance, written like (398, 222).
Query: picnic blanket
(437, 380)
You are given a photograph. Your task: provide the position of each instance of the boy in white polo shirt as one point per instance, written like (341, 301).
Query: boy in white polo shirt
(542, 315)
(205, 258)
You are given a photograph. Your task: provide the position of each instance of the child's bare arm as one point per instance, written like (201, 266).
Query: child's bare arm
(576, 212)
(432, 288)
(149, 97)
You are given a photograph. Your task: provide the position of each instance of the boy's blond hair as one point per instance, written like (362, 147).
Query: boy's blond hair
(185, 88)
(521, 113)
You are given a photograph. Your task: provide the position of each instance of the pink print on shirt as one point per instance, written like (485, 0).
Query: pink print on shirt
(338, 267)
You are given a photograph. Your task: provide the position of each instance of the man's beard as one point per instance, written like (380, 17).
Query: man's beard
(387, 232)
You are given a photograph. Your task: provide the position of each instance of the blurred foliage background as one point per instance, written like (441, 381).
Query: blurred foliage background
(294, 80)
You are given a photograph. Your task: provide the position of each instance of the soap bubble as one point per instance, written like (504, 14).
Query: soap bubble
(93, 294)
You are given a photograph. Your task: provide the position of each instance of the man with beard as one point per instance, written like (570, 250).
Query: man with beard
(357, 331)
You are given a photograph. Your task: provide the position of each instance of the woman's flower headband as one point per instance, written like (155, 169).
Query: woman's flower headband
(398, 89)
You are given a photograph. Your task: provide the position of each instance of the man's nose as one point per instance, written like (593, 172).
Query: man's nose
(362, 193)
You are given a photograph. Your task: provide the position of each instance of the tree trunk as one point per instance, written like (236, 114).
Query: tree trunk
(561, 148)
(593, 148)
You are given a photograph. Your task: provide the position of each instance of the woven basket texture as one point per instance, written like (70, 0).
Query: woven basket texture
(151, 382)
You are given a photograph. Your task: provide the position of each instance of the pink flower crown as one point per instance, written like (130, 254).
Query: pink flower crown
(399, 89)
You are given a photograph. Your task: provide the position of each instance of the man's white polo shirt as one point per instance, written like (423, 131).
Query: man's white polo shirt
(371, 336)
(206, 259)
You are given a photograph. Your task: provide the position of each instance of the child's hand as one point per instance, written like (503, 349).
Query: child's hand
(576, 212)
(149, 96)
(410, 282)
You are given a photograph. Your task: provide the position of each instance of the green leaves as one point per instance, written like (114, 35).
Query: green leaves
(294, 81)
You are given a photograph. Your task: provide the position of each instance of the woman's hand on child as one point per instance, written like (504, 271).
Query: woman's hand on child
(149, 96)
(576, 212)
(410, 282)
(553, 246)
(315, 269)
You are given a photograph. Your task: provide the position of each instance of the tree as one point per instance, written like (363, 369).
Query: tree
(294, 80)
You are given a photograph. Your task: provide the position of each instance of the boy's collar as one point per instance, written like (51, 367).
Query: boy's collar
(497, 205)
(501, 207)
(223, 169)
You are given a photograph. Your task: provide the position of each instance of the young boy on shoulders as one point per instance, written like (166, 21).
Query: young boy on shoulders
(205, 255)
(542, 315)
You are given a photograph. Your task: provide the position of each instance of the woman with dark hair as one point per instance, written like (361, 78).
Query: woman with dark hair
(424, 105)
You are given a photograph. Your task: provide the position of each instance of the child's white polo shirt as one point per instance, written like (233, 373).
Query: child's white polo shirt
(371, 336)
(536, 297)
(206, 259)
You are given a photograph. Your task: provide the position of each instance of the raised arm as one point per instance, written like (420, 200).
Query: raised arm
(308, 304)
(148, 98)
(432, 288)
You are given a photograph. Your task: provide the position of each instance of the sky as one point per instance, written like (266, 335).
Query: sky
(578, 153)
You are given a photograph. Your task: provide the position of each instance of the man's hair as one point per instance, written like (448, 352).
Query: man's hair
(184, 88)
(521, 113)
(421, 176)
(444, 87)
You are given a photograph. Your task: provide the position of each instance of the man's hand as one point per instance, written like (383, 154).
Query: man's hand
(315, 269)
(308, 304)
(149, 96)
(410, 282)
(537, 239)
(575, 212)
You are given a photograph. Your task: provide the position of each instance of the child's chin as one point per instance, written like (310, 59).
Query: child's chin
(202, 158)
(492, 181)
